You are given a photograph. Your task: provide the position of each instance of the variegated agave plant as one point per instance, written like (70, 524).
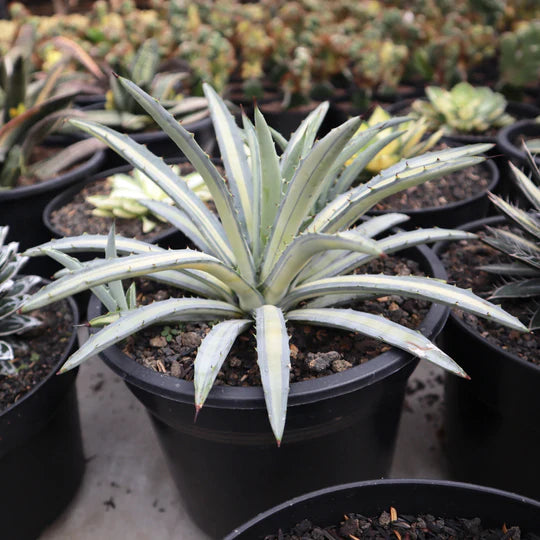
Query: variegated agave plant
(270, 255)
(13, 291)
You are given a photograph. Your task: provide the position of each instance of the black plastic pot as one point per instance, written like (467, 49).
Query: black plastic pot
(227, 466)
(516, 109)
(509, 141)
(439, 498)
(21, 208)
(158, 142)
(492, 422)
(41, 454)
(453, 214)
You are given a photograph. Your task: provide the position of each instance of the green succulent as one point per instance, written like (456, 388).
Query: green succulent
(269, 257)
(122, 111)
(13, 292)
(463, 109)
(522, 246)
(31, 111)
(128, 190)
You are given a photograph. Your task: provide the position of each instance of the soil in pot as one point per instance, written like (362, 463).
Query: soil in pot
(315, 351)
(391, 524)
(36, 352)
(461, 260)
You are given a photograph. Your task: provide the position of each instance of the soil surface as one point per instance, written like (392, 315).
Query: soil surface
(390, 525)
(453, 187)
(315, 351)
(76, 218)
(461, 260)
(37, 352)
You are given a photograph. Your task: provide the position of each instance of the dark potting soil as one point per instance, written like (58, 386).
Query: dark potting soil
(315, 351)
(390, 525)
(76, 218)
(461, 260)
(453, 187)
(36, 352)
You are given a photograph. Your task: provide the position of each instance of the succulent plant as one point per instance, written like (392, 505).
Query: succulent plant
(30, 111)
(267, 254)
(523, 245)
(464, 108)
(128, 190)
(520, 55)
(407, 140)
(13, 292)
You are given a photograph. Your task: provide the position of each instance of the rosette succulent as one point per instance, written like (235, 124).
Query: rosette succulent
(270, 257)
(464, 108)
(523, 245)
(127, 190)
(13, 292)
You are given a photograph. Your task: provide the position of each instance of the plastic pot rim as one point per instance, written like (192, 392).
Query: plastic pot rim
(471, 488)
(506, 136)
(301, 392)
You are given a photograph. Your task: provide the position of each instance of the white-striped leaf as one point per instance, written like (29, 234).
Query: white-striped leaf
(273, 358)
(379, 328)
(212, 353)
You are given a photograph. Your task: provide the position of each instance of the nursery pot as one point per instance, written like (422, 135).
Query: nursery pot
(21, 209)
(492, 426)
(227, 465)
(158, 142)
(509, 141)
(453, 214)
(41, 454)
(409, 497)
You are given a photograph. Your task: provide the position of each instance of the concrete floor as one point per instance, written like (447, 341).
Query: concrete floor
(127, 492)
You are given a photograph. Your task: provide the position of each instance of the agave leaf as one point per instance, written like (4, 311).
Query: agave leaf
(279, 139)
(101, 291)
(145, 264)
(12, 167)
(179, 219)
(77, 52)
(534, 323)
(349, 206)
(164, 84)
(16, 88)
(17, 127)
(50, 82)
(6, 355)
(23, 284)
(391, 244)
(524, 220)
(525, 185)
(174, 309)
(116, 288)
(254, 225)
(17, 324)
(304, 189)
(145, 63)
(234, 158)
(202, 164)
(271, 175)
(516, 269)
(8, 305)
(273, 357)
(156, 169)
(301, 140)
(121, 119)
(409, 286)
(514, 245)
(526, 288)
(298, 253)
(212, 353)
(381, 329)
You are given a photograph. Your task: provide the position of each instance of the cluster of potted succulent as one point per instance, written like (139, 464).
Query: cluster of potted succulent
(295, 325)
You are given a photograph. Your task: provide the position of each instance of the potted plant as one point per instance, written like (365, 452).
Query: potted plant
(41, 456)
(258, 266)
(391, 506)
(479, 416)
(33, 168)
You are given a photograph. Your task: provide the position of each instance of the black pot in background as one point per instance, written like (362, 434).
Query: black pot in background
(227, 466)
(453, 214)
(509, 141)
(41, 454)
(158, 142)
(492, 426)
(21, 208)
(409, 497)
